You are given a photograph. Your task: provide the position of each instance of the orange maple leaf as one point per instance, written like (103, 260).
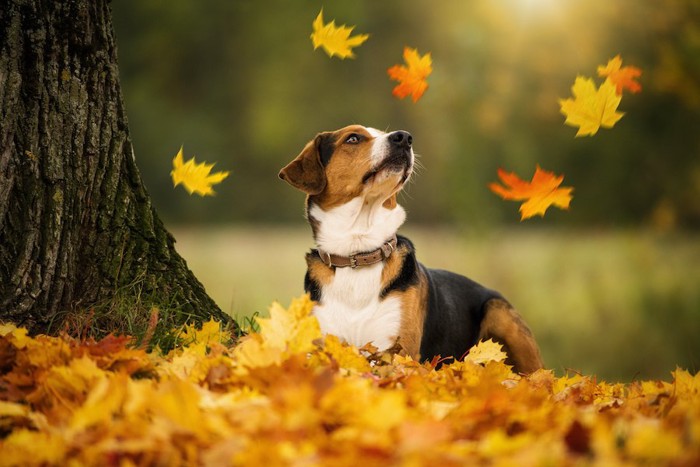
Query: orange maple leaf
(622, 77)
(411, 78)
(540, 193)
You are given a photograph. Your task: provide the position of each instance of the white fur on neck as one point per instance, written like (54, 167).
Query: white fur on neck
(350, 306)
(356, 226)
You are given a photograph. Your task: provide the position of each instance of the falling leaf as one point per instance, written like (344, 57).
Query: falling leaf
(543, 191)
(591, 107)
(196, 178)
(412, 76)
(335, 40)
(622, 77)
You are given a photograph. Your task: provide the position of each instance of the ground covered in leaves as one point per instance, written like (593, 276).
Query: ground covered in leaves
(287, 395)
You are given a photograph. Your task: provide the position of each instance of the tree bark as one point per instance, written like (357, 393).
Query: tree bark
(78, 233)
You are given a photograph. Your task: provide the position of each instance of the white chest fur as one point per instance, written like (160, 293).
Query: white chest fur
(350, 306)
(351, 309)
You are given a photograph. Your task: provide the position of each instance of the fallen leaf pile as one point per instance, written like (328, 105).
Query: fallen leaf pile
(288, 395)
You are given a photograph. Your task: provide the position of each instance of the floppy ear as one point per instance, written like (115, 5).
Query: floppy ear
(306, 172)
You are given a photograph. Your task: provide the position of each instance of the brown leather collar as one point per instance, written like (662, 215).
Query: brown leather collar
(360, 259)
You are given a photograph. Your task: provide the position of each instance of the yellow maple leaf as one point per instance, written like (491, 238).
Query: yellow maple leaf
(177, 406)
(347, 356)
(291, 329)
(183, 365)
(28, 447)
(196, 178)
(104, 400)
(286, 332)
(7, 328)
(486, 351)
(13, 409)
(412, 76)
(198, 340)
(591, 107)
(251, 352)
(74, 379)
(687, 385)
(384, 410)
(497, 443)
(540, 193)
(198, 353)
(18, 335)
(649, 443)
(335, 40)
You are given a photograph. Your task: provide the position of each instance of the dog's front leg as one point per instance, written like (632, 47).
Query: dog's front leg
(505, 325)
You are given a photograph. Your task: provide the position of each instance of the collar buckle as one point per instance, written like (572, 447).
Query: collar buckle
(387, 249)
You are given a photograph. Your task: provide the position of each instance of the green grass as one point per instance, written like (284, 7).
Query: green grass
(127, 312)
(622, 305)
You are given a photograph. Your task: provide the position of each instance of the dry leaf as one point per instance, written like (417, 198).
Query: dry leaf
(196, 178)
(541, 193)
(335, 40)
(622, 77)
(591, 107)
(288, 396)
(486, 351)
(412, 76)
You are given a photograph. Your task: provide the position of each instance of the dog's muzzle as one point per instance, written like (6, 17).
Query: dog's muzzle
(399, 158)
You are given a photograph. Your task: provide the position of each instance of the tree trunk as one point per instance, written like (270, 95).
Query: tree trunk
(78, 233)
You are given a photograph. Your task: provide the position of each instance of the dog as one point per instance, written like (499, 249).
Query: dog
(365, 279)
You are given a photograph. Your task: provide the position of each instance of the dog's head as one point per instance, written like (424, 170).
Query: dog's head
(338, 166)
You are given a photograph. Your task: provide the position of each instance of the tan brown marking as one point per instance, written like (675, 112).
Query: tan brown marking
(305, 172)
(341, 180)
(347, 166)
(413, 306)
(505, 325)
(319, 271)
(413, 302)
(392, 266)
(390, 202)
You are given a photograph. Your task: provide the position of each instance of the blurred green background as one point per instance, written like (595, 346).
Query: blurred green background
(611, 287)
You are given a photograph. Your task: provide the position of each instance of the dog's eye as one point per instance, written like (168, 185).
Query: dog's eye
(352, 139)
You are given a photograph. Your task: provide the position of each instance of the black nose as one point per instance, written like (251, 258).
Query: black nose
(401, 139)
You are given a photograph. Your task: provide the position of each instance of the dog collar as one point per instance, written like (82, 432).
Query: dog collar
(360, 259)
